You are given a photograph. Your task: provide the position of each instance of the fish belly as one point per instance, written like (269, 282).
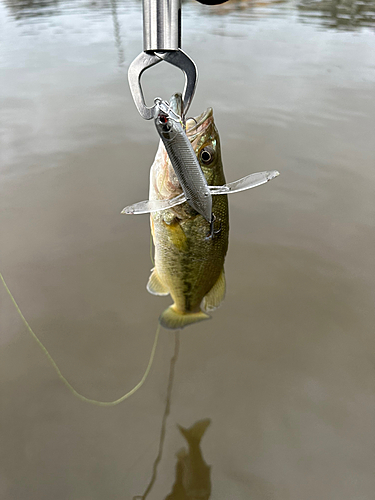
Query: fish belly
(187, 261)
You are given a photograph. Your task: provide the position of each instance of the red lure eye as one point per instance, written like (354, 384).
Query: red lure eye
(163, 119)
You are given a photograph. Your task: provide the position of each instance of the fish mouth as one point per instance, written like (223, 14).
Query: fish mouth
(197, 125)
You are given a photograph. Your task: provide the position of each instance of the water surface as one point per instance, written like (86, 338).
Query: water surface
(285, 369)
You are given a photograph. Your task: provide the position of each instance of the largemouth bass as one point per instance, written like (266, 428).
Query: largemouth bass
(189, 260)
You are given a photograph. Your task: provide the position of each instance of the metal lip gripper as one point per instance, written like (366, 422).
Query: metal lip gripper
(161, 42)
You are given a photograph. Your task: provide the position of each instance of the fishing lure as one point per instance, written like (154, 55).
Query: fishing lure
(184, 160)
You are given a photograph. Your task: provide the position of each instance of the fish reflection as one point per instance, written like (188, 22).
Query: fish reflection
(193, 475)
(339, 14)
(164, 419)
(189, 264)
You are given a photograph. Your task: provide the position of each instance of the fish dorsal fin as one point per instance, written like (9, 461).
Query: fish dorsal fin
(155, 286)
(196, 431)
(216, 295)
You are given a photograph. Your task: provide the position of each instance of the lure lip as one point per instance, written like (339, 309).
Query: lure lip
(248, 182)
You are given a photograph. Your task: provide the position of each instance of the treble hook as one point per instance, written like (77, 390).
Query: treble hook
(213, 232)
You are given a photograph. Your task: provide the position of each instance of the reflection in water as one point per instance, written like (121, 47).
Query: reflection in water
(33, 8)
(165, 417)
(193, 475)
(340, 14)
(49, 8)
(117, 32)
(238, 6)
(189, 263)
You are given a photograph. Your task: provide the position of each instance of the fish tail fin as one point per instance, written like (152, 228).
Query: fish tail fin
(196, 431)
(182, 453)
(174, 320)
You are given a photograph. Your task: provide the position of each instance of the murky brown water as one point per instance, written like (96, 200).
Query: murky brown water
(285, 369)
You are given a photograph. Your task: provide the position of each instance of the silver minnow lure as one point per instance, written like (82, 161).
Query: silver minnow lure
(183, 159)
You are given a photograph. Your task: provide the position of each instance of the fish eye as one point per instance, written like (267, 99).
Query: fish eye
(207, 155)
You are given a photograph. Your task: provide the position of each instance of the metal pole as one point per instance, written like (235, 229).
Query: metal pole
(161, 25)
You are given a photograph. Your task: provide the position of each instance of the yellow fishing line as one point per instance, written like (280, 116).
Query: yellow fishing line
(61, 376)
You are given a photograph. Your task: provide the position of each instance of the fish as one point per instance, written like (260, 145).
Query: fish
(184, 161)
(189, 256)
(193, 475)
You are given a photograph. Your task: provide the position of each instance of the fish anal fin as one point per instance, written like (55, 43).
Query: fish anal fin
(196, 431)
(216, 295)
(175, 320)
(155, 286)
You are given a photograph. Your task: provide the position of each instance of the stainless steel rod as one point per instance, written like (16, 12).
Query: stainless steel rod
(161, 25)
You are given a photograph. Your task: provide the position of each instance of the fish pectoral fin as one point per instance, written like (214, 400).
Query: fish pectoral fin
(177, 236)
(174, 320)
(155, 286)
(216, 295)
